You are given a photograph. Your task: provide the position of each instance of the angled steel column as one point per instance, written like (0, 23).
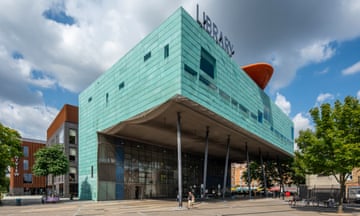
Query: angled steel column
(263, 172)
(179, 159)
(248, 169)
(205, 162)
(226, 166)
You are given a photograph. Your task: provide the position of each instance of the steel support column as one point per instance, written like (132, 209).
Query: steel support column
(226, 166)
(281, 179)
(179, 159)
(205, 162)
(248, 169)
(263, 172)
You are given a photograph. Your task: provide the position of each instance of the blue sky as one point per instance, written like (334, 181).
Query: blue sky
(52, 50)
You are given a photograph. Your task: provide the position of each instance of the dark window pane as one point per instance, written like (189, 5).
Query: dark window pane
(207, 63)
(166, 51)
(147, 56)
(72, 136)
(27, 178)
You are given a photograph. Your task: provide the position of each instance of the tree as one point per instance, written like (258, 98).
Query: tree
(10, 147)
(276, 171)
(334, 147)
(50, 160)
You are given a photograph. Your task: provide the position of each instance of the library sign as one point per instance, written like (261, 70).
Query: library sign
(211, 28)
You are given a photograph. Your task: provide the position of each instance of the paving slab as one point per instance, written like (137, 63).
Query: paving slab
(266, 207)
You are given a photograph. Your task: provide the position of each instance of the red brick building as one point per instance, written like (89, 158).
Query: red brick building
(22, 181)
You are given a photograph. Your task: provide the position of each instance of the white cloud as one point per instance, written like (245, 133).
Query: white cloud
(323, 97)
(317, 52)
(358, 95)
(30, 121)
(281, 102)
(73, 56)
(353, 69)
(324, 71)
(301, 122)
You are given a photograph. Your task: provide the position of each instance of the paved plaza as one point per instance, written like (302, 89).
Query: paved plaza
(267, 207)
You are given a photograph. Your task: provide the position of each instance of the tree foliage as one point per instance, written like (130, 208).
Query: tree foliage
(276, 172)
(10, 146)
(333, 148)
(50, 160)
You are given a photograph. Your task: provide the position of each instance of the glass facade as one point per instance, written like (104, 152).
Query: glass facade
(149, 171)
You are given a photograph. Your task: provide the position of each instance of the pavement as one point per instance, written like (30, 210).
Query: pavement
(266, 207)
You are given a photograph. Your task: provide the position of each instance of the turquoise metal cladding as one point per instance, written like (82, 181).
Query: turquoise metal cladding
(231, 93)
(137, 82)
(166, 63)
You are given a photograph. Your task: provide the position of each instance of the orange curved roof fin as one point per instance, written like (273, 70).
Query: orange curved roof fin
(260, 72)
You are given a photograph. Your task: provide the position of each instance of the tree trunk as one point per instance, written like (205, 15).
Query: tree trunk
(53, 184)
(342, 190)
(46, 187)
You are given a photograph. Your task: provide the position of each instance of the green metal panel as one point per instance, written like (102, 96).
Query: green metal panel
(129, 87)
(230, 87)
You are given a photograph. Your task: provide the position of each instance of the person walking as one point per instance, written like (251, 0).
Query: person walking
(191, 200)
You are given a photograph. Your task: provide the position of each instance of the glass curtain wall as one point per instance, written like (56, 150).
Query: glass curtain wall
(133, 170)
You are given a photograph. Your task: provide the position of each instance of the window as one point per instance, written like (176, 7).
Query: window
(147, 56)
(27, 178)
(72, 136)
(61, 136)
(190, 70)
(121, 85)
(107, 98)
(207, 63)
(26, 151)
(72, 174)
(243, 109)
(166, 51)
(253, 115)
(224, 95)
(234, 103)
(26, 165)
(207, 82)
(72, 154)
(267, 113)
(260, 116)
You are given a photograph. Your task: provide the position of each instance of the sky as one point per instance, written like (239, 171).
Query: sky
(50, 51)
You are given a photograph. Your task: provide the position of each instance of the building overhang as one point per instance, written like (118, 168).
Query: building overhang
(159, 126)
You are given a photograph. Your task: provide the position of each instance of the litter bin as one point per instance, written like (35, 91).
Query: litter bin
(18, 201)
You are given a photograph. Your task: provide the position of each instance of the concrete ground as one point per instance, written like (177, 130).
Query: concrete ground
(267, 207)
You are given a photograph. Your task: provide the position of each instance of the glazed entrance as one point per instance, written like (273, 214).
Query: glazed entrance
(134, 170)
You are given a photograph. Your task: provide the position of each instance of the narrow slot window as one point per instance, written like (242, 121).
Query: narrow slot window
(166, 51)
(147, 56)
(190, 70)
(121, 85)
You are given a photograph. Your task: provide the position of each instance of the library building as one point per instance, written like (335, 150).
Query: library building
(173, 113)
